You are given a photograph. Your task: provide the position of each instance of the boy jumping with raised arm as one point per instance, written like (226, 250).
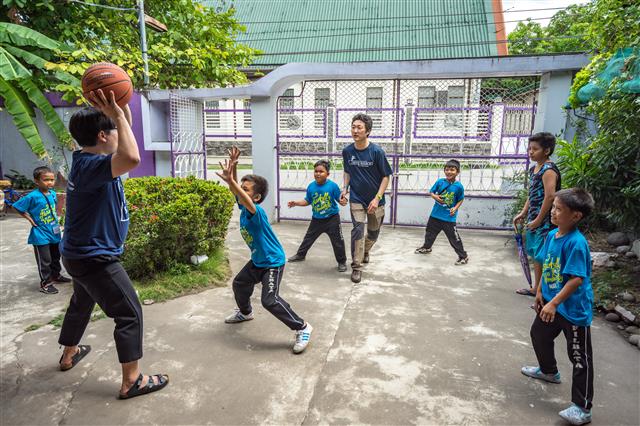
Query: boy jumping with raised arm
(564, 303)
(267, 261)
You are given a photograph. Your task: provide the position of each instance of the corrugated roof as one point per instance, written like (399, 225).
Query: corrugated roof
(364, 30)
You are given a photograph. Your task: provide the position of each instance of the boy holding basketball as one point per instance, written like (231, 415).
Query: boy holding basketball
(39, 208)
(324, 195)
(564, 303)
(267, 261)
(97, 222)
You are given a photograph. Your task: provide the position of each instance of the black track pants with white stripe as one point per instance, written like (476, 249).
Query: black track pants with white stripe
(245, 281)
(434, 226)
(579, 351)
(48, 260)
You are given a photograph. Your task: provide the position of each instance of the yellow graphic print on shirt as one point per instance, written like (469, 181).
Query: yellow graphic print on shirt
(551, 272)
(46, 216)
(321, 202)
(246, 236)
(447, 198)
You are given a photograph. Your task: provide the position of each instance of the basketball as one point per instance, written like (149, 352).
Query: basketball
(108, 76)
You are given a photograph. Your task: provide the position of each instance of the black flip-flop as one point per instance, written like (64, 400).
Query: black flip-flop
(136, 390)
(525, 292)
(83, 350)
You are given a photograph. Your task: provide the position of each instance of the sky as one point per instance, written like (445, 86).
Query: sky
(533, 4)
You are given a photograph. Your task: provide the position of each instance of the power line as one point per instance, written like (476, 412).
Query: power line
(396, 17)
(426, 28)
(426, 46)
(104, 6)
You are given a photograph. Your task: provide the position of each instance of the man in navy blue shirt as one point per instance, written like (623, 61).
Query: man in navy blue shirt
(366, 177)
(97, 221)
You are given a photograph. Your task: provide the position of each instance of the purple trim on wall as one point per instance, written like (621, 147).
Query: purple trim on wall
(147, 165)
(55, 98)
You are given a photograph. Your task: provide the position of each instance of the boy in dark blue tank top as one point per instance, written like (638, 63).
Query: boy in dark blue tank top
(267, 261)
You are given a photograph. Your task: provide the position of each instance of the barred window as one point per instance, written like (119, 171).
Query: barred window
(212, 118)
(374, 100)
(246, 122)
(322, 96)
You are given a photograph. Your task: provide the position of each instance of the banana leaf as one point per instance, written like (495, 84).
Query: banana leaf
(10, 67)
(22, 114)
(51, 118)
(18, 35)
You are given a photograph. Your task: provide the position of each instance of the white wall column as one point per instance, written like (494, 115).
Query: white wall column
(554, 91)
(263, 130)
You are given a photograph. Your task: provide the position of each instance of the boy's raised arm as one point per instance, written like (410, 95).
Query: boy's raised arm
(226, 174)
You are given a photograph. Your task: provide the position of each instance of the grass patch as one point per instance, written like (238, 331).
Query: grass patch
(238, 167)
(178, 281)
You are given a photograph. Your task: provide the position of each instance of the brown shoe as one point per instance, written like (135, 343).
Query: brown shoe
(356, 276)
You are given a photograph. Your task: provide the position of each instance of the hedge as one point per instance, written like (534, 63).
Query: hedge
(172, 219)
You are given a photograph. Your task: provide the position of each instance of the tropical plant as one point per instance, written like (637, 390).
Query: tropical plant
(25, 61)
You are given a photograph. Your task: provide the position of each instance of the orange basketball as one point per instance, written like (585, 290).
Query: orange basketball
(108, 76)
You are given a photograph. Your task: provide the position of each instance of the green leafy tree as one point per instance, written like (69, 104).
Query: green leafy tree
(26, 68)
(197, 50)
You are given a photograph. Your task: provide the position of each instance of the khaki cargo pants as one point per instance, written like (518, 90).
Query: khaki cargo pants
(361, 244)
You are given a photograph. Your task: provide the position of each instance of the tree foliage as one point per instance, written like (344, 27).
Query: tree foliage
(531, 38)
(198, 50)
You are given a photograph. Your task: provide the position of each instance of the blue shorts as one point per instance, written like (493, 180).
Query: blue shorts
(534, 240)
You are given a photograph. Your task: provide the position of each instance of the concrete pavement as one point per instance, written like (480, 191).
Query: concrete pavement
(419, 341)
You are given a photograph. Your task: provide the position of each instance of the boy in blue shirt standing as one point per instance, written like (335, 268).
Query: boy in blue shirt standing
(324, 196)
(267, 261)
(564, 303)
(39, 208)
(448, 194)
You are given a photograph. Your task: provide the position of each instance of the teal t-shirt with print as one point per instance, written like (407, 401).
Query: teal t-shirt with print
(41, 208)
(563, 258)
(451, 194)
(323, 199)
(266, 250)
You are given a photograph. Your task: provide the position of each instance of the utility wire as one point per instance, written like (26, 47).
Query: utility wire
(426, 46)
(397, 17)
(103, 5)
(425, 28)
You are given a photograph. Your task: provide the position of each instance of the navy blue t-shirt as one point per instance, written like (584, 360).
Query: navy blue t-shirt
(266, 250)
(97, 218)
(366, 169)
(563, 258)
(323, 199)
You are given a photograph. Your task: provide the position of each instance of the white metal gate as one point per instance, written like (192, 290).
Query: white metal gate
(188, 153)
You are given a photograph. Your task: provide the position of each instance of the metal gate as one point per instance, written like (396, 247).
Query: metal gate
(484, 123)
(186, 133)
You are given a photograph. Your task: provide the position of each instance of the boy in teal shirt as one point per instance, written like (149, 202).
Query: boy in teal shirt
(564, 303)
(39, 208)
(266, 265)
(324, 196)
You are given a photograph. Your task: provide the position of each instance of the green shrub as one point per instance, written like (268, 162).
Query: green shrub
(172, 219)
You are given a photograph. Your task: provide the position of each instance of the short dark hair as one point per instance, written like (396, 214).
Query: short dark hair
(39, 171)
(577, 199)
(323, 163)
(367, 120)
(85, 125)
(260, 185)
(545, 139)
(453, 163)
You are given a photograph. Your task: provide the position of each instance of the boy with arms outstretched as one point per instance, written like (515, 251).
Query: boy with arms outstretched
(448, 194)
(323, 195)
(267, 261)
(564, 303)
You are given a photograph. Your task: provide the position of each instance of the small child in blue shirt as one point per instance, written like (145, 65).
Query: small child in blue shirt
(324, 196)
(267, 261)
(39, 208)
(564, 303)
(448, 194)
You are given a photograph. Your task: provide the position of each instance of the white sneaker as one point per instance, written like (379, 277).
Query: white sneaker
(302, 339)
(576, 415)
(238, 316)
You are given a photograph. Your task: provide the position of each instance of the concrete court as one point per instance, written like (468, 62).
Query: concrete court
(419, 341)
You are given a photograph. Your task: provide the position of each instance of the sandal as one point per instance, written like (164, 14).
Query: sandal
(151, 386)
(83, 350)
(526, 292)
(422, 250)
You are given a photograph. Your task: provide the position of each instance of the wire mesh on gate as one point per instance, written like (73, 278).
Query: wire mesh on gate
(188, 155)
